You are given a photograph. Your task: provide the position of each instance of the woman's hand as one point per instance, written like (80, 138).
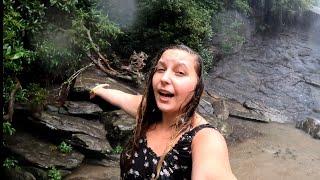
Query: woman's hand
(93, 91)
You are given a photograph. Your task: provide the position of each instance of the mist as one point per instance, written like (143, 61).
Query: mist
(122, 12)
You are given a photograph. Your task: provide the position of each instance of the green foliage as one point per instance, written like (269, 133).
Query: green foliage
(118, 149)
(14, 26)
(161, 23)
(241, 6)
(64, 42)
(54, 174)
(8, 85)
(7, 128)
(207, 58)
(10, 163)
(65, 148)
(174, 21)
(49, 37)
(36, 94)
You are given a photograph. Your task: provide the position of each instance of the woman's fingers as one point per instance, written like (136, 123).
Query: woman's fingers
(93, 90)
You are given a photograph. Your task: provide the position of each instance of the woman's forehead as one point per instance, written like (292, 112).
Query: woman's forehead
(178, 55)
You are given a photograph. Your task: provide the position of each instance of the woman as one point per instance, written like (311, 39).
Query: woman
(170, 141)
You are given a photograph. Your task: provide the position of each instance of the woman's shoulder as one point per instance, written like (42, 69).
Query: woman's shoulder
(206, 133)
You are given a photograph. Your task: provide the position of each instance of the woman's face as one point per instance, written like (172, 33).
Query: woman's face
(175, 80)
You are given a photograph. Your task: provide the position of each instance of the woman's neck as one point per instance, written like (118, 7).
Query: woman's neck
(169, 120)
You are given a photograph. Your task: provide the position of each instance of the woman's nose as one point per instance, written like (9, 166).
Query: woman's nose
(165, 78)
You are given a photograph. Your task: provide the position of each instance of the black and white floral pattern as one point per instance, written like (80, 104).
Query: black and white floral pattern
(176, 165)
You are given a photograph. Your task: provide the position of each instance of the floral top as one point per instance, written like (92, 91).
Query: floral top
(176, 165)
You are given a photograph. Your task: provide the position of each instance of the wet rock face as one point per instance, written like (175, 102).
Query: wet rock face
(280, 72)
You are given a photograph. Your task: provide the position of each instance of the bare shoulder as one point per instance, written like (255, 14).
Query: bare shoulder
(210, 159)
(209, 135)
(206, 133)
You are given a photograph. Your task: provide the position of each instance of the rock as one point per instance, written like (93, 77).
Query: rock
(119, 125)
(281, 72)
(87, 134)
(83, 108)
(43, 173)
(91, 143)
(236, 109)
(310, 126)
(51, 108)
(94, 172)
(111, 161)
(90, 78)
(70, 124)
(223, 126)
(270, 114)
(220, 109)
(41, 153)
(17, 174)
(205, 107)
(38, 173)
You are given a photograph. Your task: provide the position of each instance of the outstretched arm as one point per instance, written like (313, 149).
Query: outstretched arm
(210, 159)
(129, 103)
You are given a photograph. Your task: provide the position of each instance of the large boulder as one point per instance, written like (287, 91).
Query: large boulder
(119, 126)
(83, 109)
(88, 134)
(41, 153)
(90, 78)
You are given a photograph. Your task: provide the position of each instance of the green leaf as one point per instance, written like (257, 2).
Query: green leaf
(18, 55)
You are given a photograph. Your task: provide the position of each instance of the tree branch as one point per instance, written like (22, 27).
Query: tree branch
(96, 48)
(8, 117)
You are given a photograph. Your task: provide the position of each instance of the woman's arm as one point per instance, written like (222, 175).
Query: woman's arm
(210, 159)
(129, 103)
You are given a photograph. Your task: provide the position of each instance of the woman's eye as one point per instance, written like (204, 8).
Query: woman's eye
(181, 73)
(160, 69)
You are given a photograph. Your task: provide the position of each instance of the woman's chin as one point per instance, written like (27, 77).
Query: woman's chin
(166, 108)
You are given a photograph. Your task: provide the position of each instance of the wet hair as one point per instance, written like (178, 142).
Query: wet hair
(149, 113)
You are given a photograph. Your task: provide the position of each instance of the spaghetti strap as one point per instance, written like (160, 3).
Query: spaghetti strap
(198, 128)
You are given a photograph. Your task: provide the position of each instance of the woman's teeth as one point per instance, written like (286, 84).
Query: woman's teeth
(166, 94)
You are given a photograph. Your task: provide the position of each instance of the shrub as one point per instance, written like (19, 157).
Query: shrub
(118, 149)
(10, 163)
(65, 148)
(54, 174)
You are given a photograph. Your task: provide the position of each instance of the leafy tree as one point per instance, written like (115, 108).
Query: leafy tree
(51, 38)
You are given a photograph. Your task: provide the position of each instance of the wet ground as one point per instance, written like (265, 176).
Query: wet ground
(264, 151)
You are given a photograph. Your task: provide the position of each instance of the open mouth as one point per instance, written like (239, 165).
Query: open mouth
(166, 94)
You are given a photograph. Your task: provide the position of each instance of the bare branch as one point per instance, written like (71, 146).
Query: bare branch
(96, 48)
(71, 78)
